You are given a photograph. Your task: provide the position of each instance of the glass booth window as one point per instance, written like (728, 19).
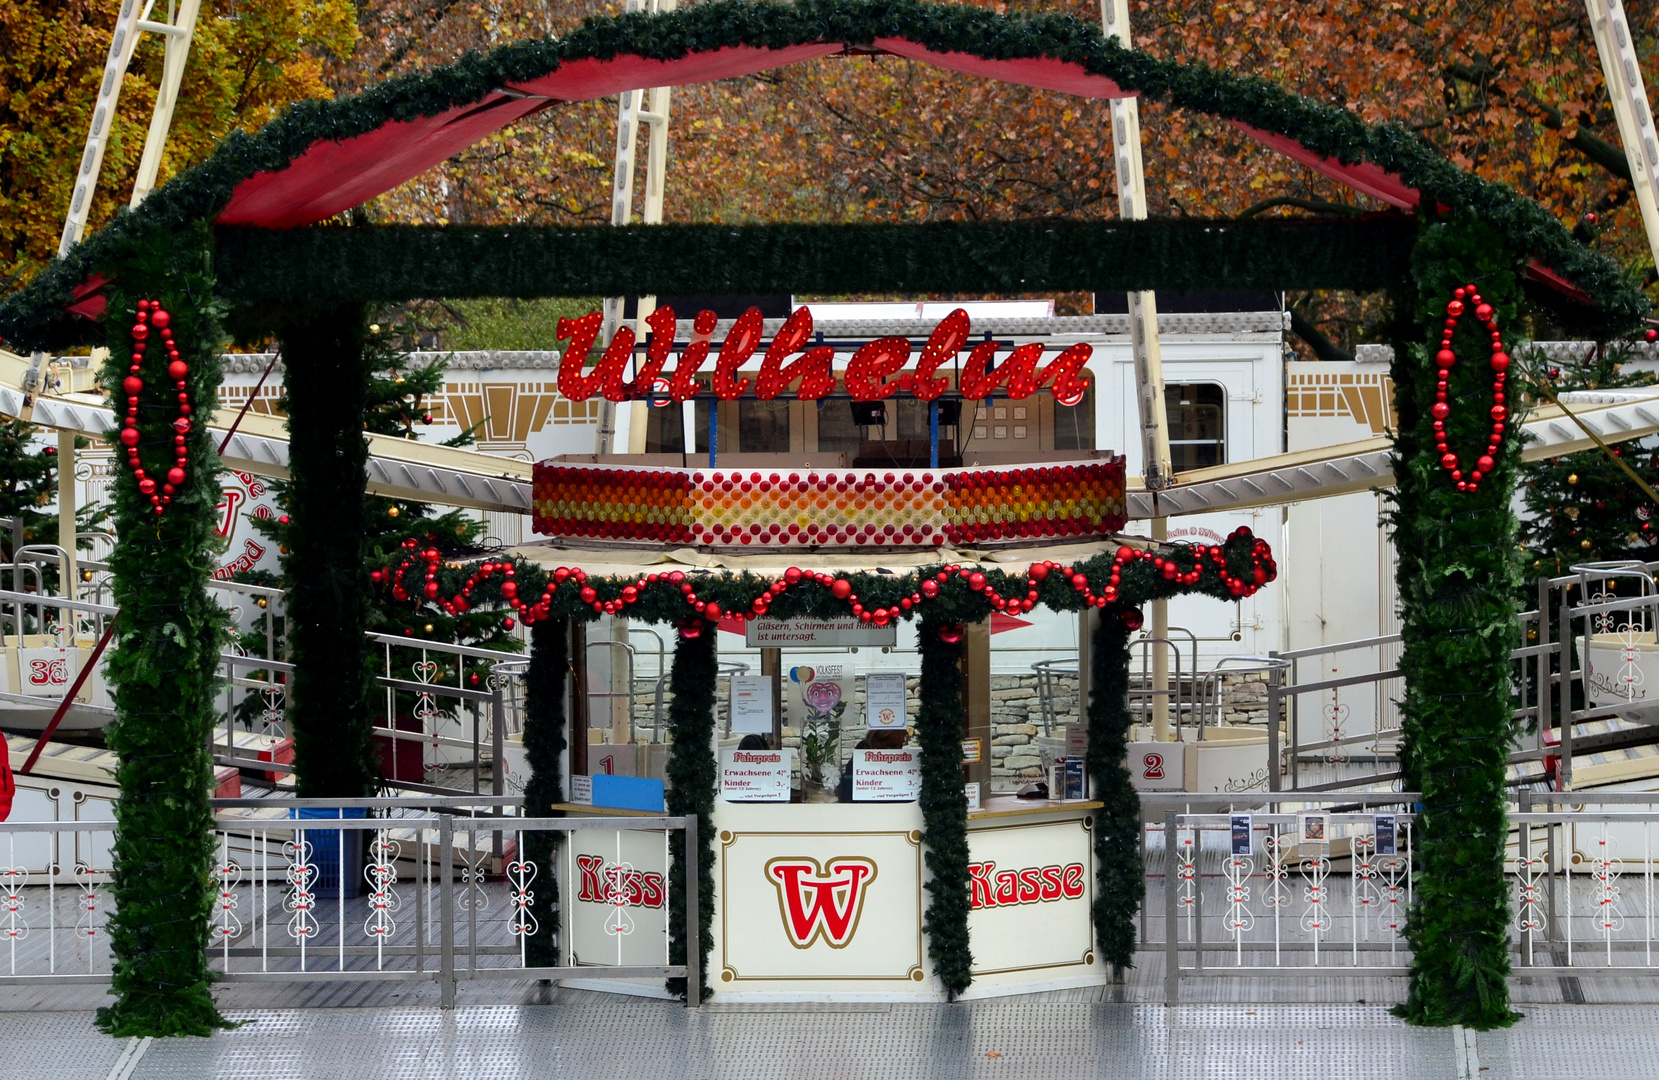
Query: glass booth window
(1074, 424)
(665, 428)
(837, 434)
(1197, 425)
(762, 427)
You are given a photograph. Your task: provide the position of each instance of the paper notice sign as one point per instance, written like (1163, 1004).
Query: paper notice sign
(581, 790)
(887, 775)
(884, 701)
(751, 704)
(756, 775)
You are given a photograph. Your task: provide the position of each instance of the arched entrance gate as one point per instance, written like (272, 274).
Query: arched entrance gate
(230, 243)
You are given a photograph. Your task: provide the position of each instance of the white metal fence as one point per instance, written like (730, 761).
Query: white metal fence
(1243, 891)
(442, 890)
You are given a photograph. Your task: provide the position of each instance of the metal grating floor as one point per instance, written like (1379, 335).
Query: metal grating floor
(586, 1036)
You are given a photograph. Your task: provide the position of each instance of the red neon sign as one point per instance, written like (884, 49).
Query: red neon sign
(876, 371)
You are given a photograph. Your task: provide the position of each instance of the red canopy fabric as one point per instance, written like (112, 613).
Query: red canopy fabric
(331, 177)
(1040, 72)
(584, 80)
(1364, 177)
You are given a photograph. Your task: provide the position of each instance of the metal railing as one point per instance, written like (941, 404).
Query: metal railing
(374, 890)
(1580, 872)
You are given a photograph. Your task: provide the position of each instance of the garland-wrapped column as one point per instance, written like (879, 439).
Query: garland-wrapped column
(692, 775)
(1120, 884)
(331, 697)
(1458, 574)
(544, 742)
(163, 667)
(943, 802)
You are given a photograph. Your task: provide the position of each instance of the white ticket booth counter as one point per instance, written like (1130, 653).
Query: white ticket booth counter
(824, 902)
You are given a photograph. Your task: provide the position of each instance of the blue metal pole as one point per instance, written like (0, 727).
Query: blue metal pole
(933, 434)
(714, 431)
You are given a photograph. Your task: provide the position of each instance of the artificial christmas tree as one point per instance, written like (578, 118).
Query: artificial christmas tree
(1583, 507)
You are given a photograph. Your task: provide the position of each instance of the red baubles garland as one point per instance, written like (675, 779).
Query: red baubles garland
(1466, 299)
(153, 318)
(537, 608)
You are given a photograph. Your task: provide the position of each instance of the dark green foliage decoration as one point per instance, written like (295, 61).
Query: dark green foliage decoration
(1458, 571)
(544, 742)
(27, 478)
(36, 317)
(397, 263)
(28, 486)
(1582, 507)
(944, 807)
(163, 665)
(331, 700)
(1120, 881)
(691, 775)
(396, 403)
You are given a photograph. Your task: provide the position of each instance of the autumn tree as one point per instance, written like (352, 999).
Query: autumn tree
(248, 59)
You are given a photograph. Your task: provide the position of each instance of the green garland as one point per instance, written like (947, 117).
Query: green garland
(692, 776)
(331, 696)
(657, 596)
(1120, 880)
(544, 742)
(36, 317)
(395, 263)
(944, 807)
(1458, 572)
(164, 667)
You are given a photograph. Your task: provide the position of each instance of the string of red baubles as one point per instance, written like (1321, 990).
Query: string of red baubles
(1463, 300)
(429, 559)
(152, 317)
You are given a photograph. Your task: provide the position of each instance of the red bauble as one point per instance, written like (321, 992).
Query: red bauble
(711, 611)
(691, 631)
(841, 588)
(129, 436)
(175, 476)
(951, 634)
(177, 370)
(930, 588)
(1132, 619)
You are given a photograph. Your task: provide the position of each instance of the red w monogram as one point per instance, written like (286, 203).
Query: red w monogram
(821, 900)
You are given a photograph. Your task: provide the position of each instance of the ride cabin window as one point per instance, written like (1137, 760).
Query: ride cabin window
(1197, 415)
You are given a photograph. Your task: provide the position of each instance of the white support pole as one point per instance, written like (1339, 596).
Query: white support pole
(177, 32)
(66, 512)
(1630, 108)
(103, 117)
(624, 430)
(1157, 467)
(1143, 306)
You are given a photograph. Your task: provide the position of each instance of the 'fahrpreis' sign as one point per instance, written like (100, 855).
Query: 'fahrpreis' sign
(886, 775)
(876, 370)
(756, 775)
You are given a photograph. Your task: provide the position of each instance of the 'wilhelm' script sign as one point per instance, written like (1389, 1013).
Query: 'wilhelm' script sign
(876, 370)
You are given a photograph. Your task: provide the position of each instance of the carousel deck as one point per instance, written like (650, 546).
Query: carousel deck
(567, 1033)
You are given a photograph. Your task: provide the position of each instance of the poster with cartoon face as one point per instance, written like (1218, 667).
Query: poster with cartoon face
(817, 694)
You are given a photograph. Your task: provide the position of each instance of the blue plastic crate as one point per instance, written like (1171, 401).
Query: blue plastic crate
(326, 855)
